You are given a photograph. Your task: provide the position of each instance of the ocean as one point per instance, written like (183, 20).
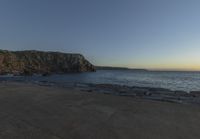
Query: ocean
(185, 81)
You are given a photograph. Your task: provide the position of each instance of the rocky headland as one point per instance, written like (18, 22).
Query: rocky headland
(39, 62)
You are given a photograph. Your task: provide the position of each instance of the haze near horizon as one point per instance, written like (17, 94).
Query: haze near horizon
(156, 34)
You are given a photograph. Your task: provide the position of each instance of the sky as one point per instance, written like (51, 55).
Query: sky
(151, 34)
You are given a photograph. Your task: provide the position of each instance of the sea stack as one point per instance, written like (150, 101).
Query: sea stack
(39, 62)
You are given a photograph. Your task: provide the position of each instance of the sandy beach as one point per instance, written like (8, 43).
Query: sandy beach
(30, 111)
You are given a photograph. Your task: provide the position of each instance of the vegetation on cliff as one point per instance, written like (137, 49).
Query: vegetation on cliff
(30, 62)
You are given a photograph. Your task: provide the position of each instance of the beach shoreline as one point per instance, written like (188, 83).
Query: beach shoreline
(149, 93)
(36, 111)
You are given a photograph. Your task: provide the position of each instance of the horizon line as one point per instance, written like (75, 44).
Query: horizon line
(152, 69)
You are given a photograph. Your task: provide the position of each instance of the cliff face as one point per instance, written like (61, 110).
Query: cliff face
(29, 62)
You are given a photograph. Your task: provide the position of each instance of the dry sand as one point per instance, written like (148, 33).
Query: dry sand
(29, 111)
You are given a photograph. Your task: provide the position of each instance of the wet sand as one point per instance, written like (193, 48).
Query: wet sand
(30, 111)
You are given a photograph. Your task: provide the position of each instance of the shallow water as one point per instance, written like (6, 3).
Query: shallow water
(186, 81)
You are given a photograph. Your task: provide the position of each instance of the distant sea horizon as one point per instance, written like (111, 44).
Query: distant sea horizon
(146, 69)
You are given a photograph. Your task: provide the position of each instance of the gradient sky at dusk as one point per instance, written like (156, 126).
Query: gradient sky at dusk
(153, 34)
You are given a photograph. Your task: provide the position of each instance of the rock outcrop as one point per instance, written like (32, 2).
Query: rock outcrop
(38, 62)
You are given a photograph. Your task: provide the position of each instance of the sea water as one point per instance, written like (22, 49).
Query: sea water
(185, 81)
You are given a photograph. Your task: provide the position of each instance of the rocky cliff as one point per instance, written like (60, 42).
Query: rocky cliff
(30, 62)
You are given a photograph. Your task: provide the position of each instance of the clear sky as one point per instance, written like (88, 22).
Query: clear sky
(153, 34)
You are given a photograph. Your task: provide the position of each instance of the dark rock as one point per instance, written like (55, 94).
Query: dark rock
(27, 72)
(122, 91)
(158, 89)
(131, 94)
(141, 92)
(38, 62)
(195, 93)
(89, 90)
(46, 74)
(182, 94)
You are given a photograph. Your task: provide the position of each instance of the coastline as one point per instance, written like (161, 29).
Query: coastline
(36, 111)
(149, 93)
